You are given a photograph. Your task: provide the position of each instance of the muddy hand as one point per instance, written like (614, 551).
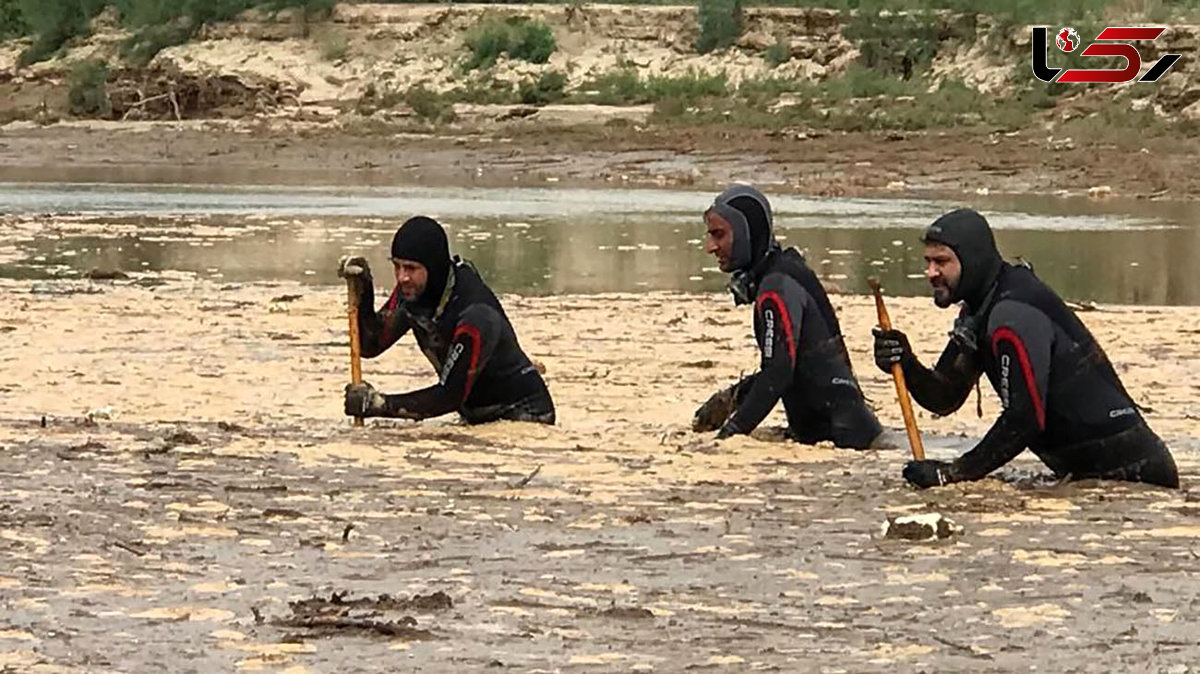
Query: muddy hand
(362, 400)
(354, 268)
(929, 473)
(712, 414)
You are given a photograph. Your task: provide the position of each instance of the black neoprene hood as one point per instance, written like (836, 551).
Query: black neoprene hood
(968, 234)
(423, 240)
(749, 212)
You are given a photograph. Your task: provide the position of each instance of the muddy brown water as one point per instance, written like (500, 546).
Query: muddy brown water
(535, 241)
(179, 490)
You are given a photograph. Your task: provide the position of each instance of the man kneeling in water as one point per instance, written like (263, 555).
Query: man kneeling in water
(459, 325)
(1062, 399)
(803, 359)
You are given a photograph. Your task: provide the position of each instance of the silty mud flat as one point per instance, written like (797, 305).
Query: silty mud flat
(218, 511)
(966, 161)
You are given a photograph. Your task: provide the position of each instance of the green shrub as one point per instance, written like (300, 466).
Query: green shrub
(12, 20)
(377, 96)
(487, 42)
(900, 44)
(160, 23)
(720, 24)
(617, 87)
(54, 22)
(515, 37)
(310, 10)
(429, 105)
(1119, 124)
(951, 104)
(533, 41)
(690, 86)
(143, 45)
(165, 23)
(670, 108)
(87, 92)
(193, 13)
(863, 82)
(769, 89)
(484, 90)
(546, 89)
(624, 87)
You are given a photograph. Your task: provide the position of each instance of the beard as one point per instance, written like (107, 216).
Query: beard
(942, 296)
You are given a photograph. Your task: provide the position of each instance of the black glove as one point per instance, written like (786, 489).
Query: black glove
(924, 474)
(728, 430)
(362, 400)
(891, 346)
(354, 268)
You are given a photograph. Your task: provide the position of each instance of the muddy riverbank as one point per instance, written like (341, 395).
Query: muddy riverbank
(963, 162)
(214, 484)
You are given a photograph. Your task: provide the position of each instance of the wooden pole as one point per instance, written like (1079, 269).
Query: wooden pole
(910, 421)
(355, 348)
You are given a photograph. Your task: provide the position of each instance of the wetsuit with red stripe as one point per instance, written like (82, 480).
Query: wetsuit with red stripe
(1061, 397)
(482, 372)
(803, 362)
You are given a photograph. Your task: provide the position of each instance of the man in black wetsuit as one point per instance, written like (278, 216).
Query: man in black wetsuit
(459, 325)
(1060, 394)
(804, 361)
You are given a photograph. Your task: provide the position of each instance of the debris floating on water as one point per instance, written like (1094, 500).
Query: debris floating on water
(106, 274)
(182, 436)
(923, 527)
(106, 413)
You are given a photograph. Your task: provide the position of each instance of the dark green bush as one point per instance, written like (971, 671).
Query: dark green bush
(515, 37)
(546, 89)
(624, 87)
(12, 20)
(615, 88)
(691, 86)
(720, 24)
(898, 45)
(143, 45)
(87, 89)
(54, 22)
(160, 23)
(165, 23)
(429, 105)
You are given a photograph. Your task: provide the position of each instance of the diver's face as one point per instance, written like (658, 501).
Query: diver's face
(718, 240)
(943, 271)
(411, 278)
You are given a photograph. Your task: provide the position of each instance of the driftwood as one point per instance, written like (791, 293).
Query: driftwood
(339, 614)
(164, 93)
(139, 105)
(322, 626)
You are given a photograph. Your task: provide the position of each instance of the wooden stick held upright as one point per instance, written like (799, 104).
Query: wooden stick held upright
(355, 348)
(910, 421)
